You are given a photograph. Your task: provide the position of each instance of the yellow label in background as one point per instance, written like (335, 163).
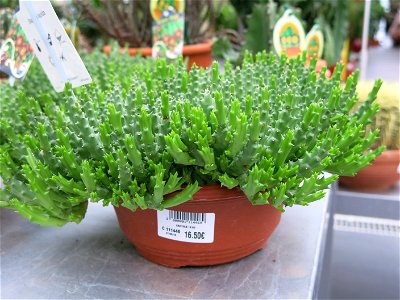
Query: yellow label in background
(168, 27)
(314, 42)
(344, 58)
(157, 7)
(288, 35)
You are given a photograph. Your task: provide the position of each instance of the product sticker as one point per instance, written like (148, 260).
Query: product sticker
(186, 226)
(168, 27)
(16, 53)
(51, 44)
(288, 35)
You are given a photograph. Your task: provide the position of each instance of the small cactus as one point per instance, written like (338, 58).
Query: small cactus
(269, 127)
(387, 119)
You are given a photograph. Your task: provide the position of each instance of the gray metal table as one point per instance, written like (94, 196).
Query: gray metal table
(94, 260)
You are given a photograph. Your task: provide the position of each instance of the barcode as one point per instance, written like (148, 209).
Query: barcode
(187, 216)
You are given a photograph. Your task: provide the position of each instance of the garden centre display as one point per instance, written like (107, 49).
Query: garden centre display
(148, 135)
(130, 23)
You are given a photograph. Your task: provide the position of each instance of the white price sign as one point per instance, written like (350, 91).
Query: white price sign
(186, 226)
(51, 44)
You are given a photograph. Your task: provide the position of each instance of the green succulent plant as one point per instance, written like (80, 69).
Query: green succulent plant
(387, 119)
(270, 127)
(104, 69)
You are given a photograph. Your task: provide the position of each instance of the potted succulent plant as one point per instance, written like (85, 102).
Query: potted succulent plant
(383, 172)
(199, 165)
(130, 23)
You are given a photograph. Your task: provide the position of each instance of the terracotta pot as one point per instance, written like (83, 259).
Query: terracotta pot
(380, 175)
(197, 53)
(240, 229)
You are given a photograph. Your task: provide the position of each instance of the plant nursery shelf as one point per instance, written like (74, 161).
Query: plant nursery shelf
(95, 260)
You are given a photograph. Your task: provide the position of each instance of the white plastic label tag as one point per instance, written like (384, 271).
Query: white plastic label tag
(186, 226)
(51, 44)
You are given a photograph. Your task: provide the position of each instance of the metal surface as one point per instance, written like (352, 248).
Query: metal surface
(368, 225)
(375, 204)
(94, 260)
(362, 252)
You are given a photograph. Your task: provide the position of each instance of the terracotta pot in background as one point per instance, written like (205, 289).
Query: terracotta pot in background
(197, 53)
(356, 44)
(240, 229)
(379, 176)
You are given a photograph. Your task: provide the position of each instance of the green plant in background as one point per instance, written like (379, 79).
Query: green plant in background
(223, 48)
(387, 120)
(270, 128)
(333, 18)
(9, 4)
(257, 16)
(261, 22)
(130, 22)
(227, 41)
(335, 33)
(6, 15)
(356, 14)
(254, 24)
(227, 17)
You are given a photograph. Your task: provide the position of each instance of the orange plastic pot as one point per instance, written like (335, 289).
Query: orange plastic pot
(240, 229)
(197, 53)
(380, 175)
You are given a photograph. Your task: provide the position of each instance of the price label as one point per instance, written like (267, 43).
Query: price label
(186, 226)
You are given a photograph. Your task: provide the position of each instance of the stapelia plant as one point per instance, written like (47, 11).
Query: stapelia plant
(270, 128)
(104, 69)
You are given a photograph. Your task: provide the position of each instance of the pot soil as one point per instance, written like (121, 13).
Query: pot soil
(379, 176)
(240, 229)
(197, 53)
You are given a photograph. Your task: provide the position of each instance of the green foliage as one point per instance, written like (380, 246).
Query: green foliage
(259, 17)
(387, 120)
(336, 32)
(356, 15)
(130, 22)
(270, 128)
(261, 22)
(227, 16)
(8, 4)
(104, 71)
(222, 48)
(6, 15)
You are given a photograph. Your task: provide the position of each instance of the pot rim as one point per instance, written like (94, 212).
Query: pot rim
(388, 156)
(214, 193)
(187, 49)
